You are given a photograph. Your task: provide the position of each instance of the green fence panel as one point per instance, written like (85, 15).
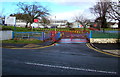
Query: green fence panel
(100, 34)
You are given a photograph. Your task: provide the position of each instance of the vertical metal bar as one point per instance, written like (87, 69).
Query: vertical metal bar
(13, 35)
(54, 36)
(58, 34)
(90, 36)
(42, 35)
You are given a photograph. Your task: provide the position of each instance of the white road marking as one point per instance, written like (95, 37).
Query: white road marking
(70, 68)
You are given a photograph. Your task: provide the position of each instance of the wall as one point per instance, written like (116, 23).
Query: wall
(104, 40)
(106, 37)
(5, 35)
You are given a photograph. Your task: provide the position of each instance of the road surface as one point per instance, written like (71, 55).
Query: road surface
(61, 59)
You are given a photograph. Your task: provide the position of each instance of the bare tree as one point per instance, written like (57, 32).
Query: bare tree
(45, 21)
(101, 10)
(32, 11)
(114, 12)
(82, 20)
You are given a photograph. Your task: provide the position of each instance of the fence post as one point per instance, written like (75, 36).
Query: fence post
(55, 35)
(58, 34)
(90, 36)
(42, 35)
(13, 35)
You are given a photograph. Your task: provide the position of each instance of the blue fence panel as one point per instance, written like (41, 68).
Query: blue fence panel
(47, 35)
(88, 35)
(35, 35)
(28, 35)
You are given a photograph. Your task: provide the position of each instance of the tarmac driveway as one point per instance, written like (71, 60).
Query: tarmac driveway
(62, 59)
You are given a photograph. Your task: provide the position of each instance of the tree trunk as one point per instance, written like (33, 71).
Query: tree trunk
(26, 25)
(119, 24)
(103, 22)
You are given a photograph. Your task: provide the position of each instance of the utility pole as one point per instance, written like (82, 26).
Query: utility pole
(55, 24)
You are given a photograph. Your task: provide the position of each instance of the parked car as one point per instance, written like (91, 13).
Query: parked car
(48, 26)
(54, 27)
(41, 27)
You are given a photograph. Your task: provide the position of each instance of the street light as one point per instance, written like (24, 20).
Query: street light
(55, 24)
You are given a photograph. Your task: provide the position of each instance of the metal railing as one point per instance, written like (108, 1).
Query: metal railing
(35, 35)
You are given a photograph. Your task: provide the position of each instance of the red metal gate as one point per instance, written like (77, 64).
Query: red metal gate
(72, 37)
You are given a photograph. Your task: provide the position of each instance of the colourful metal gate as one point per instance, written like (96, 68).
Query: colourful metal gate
(71, 37)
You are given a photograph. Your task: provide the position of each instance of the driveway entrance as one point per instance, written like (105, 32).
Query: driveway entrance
(69, 37)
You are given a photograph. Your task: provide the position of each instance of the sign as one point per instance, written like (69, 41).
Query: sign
(10, 20)
(95, 25)
(35, 20)
(81, 26)
(1, 21)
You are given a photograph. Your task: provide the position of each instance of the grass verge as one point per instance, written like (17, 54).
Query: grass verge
(22, 41)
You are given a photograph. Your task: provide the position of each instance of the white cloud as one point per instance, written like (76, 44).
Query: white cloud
(71, 14)
(46, 0)
(66, 15)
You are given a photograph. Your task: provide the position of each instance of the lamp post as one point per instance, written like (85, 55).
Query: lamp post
(55, 24)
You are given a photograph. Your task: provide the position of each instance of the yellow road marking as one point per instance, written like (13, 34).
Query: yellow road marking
(38, 47)
(34, 48)
(101, 51)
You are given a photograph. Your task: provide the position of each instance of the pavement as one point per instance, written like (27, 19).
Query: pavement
(112, 48)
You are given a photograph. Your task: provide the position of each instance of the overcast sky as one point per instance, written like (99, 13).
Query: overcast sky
(62, 9)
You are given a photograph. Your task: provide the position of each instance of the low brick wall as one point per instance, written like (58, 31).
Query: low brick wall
(104, 40)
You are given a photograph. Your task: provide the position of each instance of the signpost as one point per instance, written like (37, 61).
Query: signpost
(11, 21)
(55, 24)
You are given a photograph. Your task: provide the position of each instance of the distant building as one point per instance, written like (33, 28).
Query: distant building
(77, 25)
(53, 23)
(58, 23)
(20, 23)
(113, 24)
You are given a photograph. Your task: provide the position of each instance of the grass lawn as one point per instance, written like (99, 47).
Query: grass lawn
(21, 29)
(22, 41)
(12, 28)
